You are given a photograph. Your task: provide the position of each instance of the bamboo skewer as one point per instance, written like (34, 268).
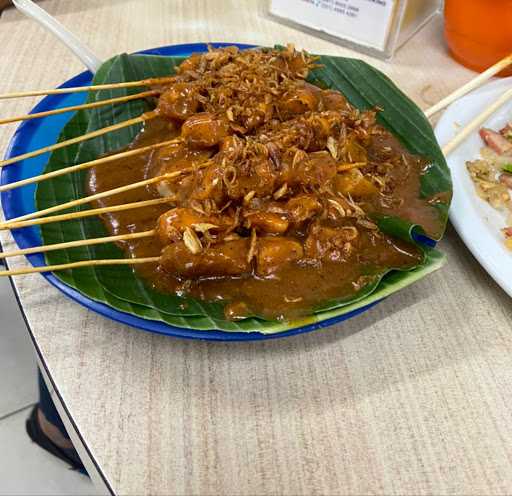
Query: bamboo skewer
(473, 84)
(84, 106)
(83, 213)
(476, 122)
(79, 243)
(76, 265)
(130, 122)
(103, 194)
(86, 165)
(13, 223)
(30, 219)
(88, 199)
(97, 87)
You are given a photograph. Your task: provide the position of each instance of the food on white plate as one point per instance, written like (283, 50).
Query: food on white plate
(492, 174)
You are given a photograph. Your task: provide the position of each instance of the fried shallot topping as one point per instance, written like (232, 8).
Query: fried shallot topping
(282, 169)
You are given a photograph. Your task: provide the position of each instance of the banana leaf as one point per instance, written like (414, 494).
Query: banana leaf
(119, 287)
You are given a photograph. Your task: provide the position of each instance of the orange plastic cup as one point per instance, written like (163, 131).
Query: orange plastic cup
(479, 32)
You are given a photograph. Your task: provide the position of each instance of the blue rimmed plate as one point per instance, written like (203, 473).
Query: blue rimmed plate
(38, 133)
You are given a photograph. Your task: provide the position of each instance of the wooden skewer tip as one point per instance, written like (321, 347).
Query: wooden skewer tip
(93, 134)
(84, 106)
(477, 122)
(97, 87)
(76, 265)
(104, 194)
(11, 225)
(77, 244)
(86, 165)
(470, 86)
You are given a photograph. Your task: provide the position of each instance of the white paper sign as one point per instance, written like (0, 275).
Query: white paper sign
(366, 22)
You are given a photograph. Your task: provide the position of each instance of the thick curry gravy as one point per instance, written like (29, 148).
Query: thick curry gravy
(292, 290)
(279, 182)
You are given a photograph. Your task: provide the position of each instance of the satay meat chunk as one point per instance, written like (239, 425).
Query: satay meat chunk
(180, 101)
(172, 224)
(204, 130)
(267, 222)
(274, 252)
(257, 174)
(223, 259)
(329, 243)
(175, 158)
(334, 100)
(303, 207)
(301, 99)
(191, 63)
(355, 184)
(209, 184)
(314, 169)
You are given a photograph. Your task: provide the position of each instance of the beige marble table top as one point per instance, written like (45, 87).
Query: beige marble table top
(413, 397)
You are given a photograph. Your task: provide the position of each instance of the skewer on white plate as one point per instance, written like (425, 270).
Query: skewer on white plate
(472, 85)
(477, 122)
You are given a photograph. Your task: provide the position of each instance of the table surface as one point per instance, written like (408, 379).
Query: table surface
(414, 396)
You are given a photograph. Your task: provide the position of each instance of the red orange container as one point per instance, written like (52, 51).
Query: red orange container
(479, 32)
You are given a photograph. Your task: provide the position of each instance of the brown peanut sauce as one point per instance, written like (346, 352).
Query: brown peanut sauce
(292, 290)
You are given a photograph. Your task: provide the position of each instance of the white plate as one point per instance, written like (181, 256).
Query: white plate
(477, 223)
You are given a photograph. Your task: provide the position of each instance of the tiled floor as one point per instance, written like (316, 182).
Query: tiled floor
(25, 469)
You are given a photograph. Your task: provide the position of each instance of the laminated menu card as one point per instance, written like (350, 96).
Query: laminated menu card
(377, 27)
